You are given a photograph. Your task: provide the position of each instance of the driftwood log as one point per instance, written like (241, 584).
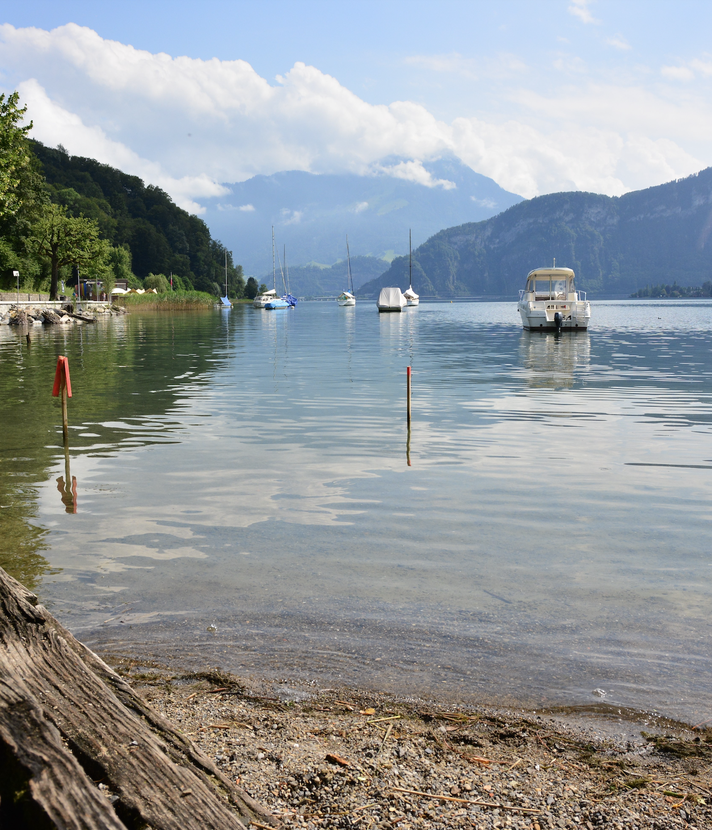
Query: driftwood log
(80, 749)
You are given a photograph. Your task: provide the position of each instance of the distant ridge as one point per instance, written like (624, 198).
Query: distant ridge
(313, 213)
(616, 245)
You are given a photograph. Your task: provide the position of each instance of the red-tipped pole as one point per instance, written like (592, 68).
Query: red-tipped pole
(63, 387)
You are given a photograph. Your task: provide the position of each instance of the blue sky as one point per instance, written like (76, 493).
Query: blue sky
(541, 96)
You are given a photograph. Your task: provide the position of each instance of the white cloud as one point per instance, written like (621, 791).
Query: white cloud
(243, 208)
(690, 71)
(677, 73)
(360, 207)
(54, 125)
(185, 124)
(413, 171)
(291, 217)
(579, 8)
(453, 62)
(619, 42)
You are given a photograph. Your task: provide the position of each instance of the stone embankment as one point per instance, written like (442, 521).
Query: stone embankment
(61, 315)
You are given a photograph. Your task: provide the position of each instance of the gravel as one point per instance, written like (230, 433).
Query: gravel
(337, 758)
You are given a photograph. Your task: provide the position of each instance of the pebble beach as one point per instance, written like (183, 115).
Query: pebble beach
(322, 758)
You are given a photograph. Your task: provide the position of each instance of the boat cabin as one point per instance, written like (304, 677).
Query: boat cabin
(550, 284)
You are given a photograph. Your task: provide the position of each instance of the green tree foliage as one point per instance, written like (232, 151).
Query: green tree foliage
(67, 240)
(14, 153)
(157, 281)
(675, 291)
(251, 288)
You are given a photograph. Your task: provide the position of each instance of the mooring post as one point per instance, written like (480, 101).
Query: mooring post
(408, 391)
(407, 443)
(63, 388)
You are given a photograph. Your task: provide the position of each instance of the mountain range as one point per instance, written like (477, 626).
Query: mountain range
(312, 214)
(616, 245)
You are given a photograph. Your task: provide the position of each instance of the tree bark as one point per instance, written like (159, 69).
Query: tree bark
(69, 723)
(54, 280)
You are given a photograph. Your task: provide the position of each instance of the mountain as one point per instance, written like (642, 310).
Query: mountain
(322, 280)
(162, 237)
(313, 213)
(616, 245)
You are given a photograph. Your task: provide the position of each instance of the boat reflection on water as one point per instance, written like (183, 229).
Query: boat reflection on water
(551, 360)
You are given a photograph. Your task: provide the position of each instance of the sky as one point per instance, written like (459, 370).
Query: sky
(542, 96)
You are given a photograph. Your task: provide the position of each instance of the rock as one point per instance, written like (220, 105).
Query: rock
(51, 317)
(18, 317)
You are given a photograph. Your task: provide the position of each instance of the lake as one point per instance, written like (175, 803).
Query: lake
(244, 497)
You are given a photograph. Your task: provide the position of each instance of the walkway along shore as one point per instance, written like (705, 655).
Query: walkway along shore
(82, 745)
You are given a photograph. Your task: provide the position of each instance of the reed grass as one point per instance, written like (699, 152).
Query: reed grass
(168, 300)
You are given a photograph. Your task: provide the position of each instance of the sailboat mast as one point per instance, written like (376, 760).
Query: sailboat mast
(286, 270)
(274, 272)
(348, 262)
(226, 272)
(410, 258)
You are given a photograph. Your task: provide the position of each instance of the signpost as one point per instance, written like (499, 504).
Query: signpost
(16, 274)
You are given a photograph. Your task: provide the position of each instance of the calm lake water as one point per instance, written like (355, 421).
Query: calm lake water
(244, 499)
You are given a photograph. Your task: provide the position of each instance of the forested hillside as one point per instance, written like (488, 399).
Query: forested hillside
(615, 245)
(162, 237)
(62, 216)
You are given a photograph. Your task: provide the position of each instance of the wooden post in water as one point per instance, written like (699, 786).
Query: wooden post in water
(63, 387)
(407, 445)
(408, 390)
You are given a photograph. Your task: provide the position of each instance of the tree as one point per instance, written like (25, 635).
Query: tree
(14, 153)
(251, 288)
(65, 240)
(157, 281)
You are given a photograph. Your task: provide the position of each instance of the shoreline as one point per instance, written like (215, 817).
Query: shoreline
(342, 757)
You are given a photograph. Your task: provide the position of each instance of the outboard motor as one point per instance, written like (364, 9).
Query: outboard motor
(558, 320)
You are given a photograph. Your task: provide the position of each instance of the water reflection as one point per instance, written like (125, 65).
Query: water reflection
(68, 492)
(552, 359)
(215, 484)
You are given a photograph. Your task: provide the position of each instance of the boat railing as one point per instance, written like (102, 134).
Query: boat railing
(521, 293)
(581, 295)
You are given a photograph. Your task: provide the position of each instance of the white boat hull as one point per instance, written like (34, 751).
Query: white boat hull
(344, 303)
(391, 299)
(541, 315)
(413, 302)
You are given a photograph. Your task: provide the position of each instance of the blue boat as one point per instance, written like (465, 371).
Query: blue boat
(279, 303)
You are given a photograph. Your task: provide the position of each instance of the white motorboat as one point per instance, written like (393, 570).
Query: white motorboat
(348, 297)
(411, 297)
(391, 299)
(550, 301)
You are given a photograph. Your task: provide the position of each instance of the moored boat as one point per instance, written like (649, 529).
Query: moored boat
(550, 301)
(348, 296)
(262, 299)
(278, 302)
(391, 299)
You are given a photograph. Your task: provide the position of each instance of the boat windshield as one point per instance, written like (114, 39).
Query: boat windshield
(550, 288)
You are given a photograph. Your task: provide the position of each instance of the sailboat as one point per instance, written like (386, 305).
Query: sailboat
(348, 297)
(225, 302)
(410, 295)
(276, 302)
(292, 301)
